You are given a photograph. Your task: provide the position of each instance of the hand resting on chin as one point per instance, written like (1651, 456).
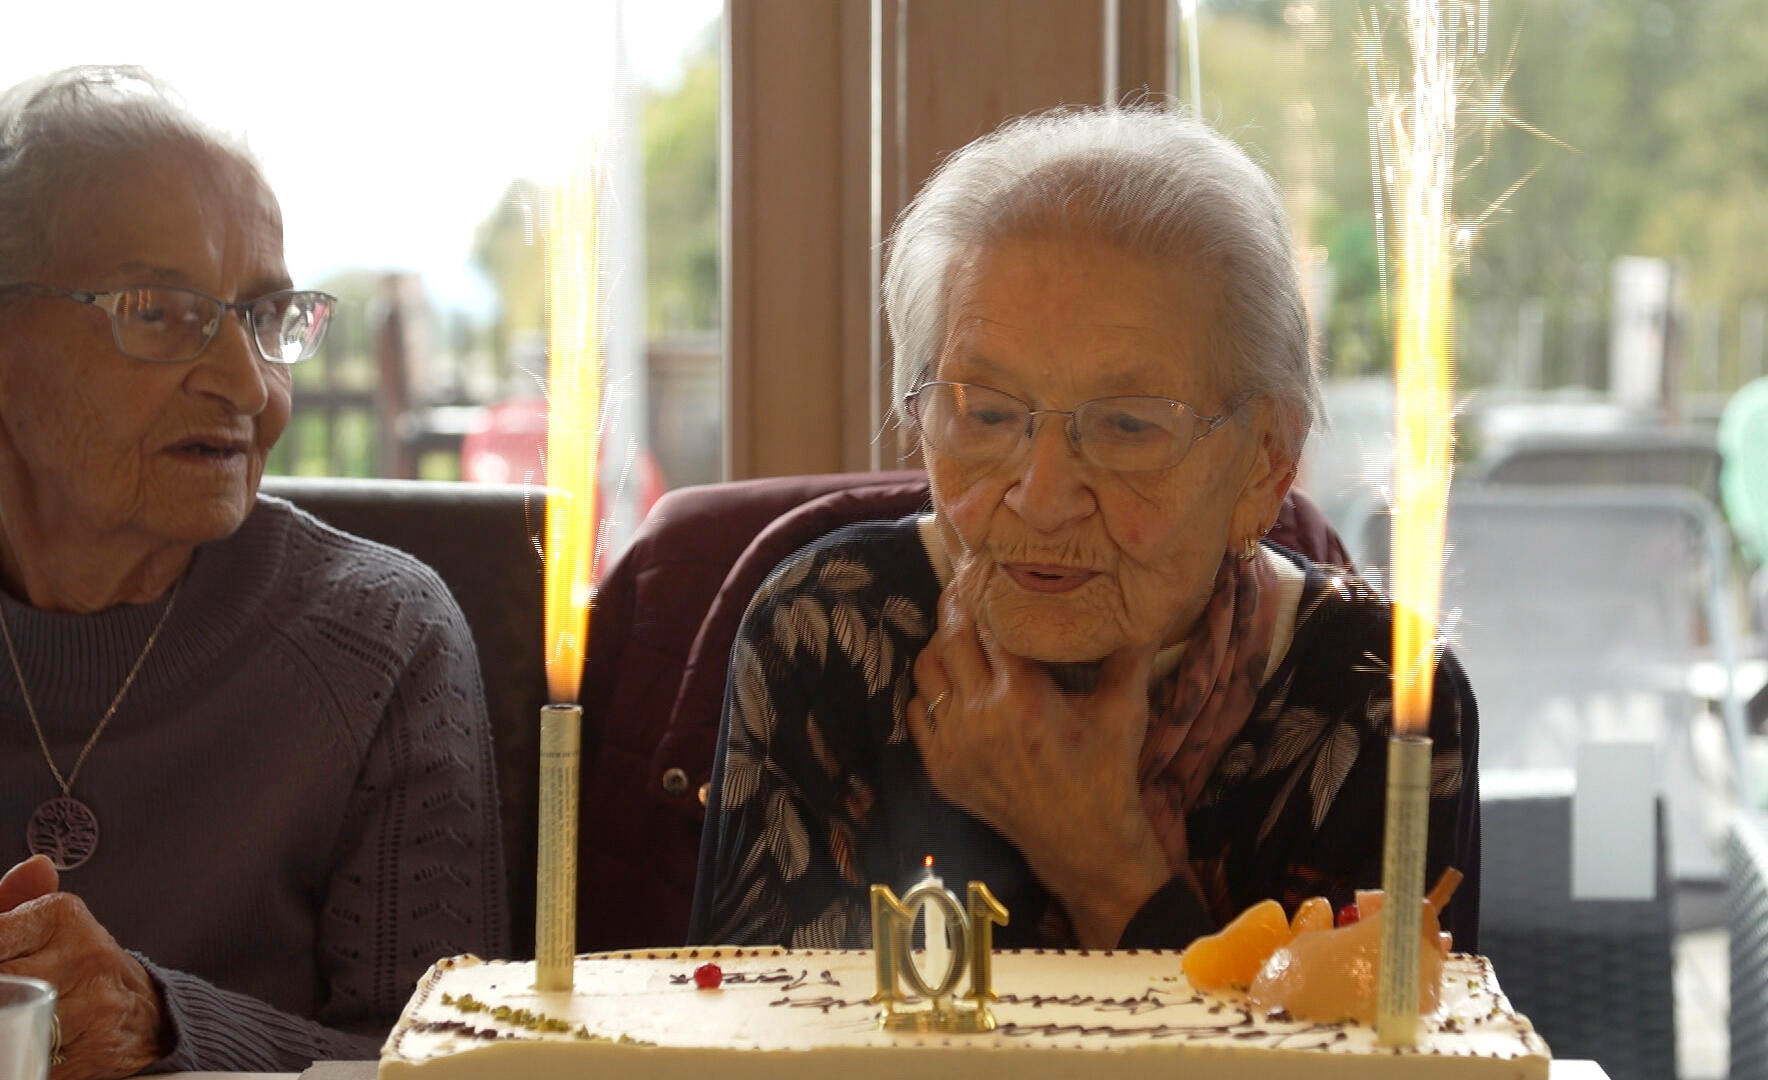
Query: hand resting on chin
(1053, 772)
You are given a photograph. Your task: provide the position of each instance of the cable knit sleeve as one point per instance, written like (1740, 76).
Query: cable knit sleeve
(217, 1030)
(418, 871)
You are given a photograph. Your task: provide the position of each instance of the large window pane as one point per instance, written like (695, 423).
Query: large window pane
(1607, 312)
(410, 152)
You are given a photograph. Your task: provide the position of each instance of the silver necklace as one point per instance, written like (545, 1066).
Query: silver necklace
(64, 828)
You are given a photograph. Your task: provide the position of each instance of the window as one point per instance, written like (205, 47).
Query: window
(409, 153)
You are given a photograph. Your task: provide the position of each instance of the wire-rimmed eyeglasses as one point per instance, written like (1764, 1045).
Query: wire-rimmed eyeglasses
(167, 324)
(1124, 434)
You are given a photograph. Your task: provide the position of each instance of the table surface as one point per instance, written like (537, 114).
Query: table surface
(364, 1070)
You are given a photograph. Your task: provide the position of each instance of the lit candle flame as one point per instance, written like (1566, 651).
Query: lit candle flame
(1419, 182)
(575, 353)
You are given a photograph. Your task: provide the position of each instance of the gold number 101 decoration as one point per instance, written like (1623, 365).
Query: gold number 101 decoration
(972, 934)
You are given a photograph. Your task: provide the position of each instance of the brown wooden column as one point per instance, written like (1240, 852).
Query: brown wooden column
(836, 111)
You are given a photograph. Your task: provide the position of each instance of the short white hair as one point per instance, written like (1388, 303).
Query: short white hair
(57, 129)
(1148, 178)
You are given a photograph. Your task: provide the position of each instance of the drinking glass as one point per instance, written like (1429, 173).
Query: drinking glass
(27, 1024)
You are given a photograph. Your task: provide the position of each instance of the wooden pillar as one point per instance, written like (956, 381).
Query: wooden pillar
(836, 112)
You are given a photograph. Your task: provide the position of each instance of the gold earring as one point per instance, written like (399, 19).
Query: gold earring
(1249, 548)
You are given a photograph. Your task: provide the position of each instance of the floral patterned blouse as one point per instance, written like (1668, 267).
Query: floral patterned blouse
(819, 791)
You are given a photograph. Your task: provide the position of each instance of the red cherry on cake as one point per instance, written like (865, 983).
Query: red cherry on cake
(1348, 914)
(708, 976)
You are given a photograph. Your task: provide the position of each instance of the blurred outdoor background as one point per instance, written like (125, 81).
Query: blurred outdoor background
(411, 149)
(1621, 284)
(1605, 586)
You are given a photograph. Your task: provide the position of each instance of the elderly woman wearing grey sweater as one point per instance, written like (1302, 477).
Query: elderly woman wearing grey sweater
(246, 788)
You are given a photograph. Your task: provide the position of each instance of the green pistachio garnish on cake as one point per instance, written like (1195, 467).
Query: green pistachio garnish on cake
(526, 1019)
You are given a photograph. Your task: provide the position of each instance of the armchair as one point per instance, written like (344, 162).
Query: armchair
(665, 614)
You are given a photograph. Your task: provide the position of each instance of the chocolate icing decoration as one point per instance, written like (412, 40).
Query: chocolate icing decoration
(824, 1003)
(1145, 1002)
(773, 976)
(458, 1027)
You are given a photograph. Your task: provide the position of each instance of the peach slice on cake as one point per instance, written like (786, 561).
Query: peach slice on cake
(1331, 975)
(1232, 956)
(1314, 913)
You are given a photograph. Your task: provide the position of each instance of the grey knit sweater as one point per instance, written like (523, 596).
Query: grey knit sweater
(296, 801)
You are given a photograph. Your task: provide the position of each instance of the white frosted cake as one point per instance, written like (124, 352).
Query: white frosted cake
(782, 1014)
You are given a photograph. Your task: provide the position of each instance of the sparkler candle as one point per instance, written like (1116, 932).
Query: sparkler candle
(1416, 178)
(555, 896)
(573, 444)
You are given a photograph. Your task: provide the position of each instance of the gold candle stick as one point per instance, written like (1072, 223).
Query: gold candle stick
(555, 895)
(1402, 886)
(986, 913)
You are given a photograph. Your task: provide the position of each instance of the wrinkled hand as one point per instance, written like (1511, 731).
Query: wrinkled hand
(106, 1005)
(34, 877)
(1054, 773)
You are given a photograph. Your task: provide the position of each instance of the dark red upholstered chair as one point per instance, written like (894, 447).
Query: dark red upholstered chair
(664, 620)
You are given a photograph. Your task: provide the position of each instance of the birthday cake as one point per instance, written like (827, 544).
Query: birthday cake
(780, 1014)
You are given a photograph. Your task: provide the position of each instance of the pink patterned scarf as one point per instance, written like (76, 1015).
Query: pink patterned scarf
(1200, 706)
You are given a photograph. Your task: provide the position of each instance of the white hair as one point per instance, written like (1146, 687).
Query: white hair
(1153, 180)
(59, 128)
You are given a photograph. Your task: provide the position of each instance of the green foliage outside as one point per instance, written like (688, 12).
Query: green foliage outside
(331, 432)
(1661, 151)
(1655, 146)
(510, 250)
(681, 148)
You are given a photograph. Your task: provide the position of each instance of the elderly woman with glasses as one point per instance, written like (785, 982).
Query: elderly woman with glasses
(1084, 678)
(246, 786)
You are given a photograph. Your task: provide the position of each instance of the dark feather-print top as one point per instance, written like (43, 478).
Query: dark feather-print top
(819, 792)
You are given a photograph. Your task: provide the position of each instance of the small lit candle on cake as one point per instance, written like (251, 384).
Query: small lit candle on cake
(933, 927)
(1416, 181)
(573, 443)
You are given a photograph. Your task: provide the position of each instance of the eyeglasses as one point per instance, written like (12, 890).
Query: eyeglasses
(1123, 434)
(164, 324)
